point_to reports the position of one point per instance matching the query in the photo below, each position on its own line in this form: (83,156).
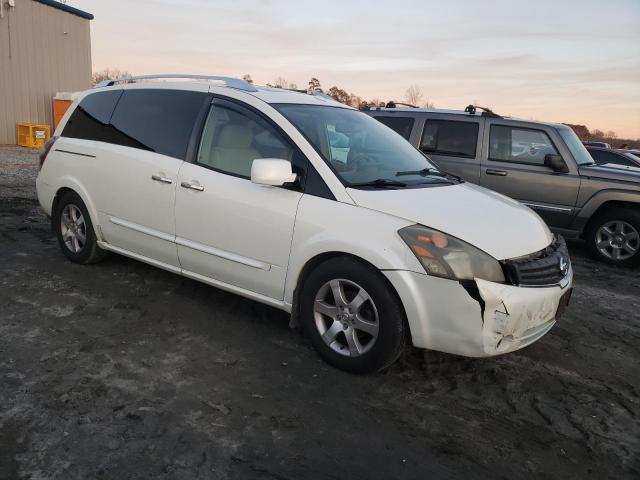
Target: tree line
(413,96)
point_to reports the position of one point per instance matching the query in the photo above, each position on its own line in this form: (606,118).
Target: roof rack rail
(308,91)
(230,82)
(486,112)
(392,104)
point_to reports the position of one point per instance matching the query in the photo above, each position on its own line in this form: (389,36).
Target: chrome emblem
(564,266)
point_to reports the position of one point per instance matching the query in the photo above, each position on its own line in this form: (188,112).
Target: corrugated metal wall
(43,50)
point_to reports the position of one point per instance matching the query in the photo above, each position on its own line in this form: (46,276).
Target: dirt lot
(120,370)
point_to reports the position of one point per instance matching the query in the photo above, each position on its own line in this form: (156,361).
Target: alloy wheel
(73,228)
(617,240)
(346,317)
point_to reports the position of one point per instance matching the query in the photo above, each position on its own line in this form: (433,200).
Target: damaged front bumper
(496,318)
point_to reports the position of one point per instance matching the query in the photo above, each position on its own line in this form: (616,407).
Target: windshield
(580,154)
(362,150)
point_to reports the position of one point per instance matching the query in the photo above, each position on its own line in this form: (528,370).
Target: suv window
(90,119)
(234,137)
(609,157)
(521,145)
(401,125)
(449,137)
(158,120)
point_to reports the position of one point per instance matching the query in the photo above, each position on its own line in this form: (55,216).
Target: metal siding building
(45,48)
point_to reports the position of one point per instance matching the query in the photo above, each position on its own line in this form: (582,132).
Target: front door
(513,164)
(228,228)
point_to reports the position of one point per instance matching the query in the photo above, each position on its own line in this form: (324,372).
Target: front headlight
(445,256)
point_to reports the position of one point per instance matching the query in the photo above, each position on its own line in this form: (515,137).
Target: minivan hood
(502,227)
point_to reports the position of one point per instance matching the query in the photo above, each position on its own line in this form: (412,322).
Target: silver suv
(543,165)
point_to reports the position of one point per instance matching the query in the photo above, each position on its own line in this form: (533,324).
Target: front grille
(546,267)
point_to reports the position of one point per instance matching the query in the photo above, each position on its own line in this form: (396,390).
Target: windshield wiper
(425,172)
(380,183)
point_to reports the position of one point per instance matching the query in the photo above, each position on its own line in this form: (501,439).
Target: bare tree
(612,134)
(108,74)
(247,78)
(413,95)
(282,82)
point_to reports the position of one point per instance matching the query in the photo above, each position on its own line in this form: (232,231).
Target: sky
(572,61)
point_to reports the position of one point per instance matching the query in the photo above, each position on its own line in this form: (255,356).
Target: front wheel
(352,317)
(614,237)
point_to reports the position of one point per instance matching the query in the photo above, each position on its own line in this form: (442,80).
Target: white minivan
(300,202)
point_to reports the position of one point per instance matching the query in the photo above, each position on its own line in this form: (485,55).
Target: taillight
(46,148)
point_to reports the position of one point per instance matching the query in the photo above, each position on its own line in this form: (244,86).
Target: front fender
(324,226)
(592,205)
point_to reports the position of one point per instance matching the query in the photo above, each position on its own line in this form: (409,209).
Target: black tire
(392,330)
(89,252)
(620,215)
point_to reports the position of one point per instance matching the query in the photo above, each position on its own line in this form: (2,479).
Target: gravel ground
(121,371)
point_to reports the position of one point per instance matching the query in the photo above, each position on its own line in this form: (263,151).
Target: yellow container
(32,135)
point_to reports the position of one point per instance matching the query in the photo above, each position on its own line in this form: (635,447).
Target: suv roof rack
(230,82)
(392,104)
(486,112)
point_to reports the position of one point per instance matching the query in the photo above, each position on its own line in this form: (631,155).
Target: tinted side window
(401,125)
(157,120)
(90,120)
(520,145)
(447,137)
(234,137)
(607,157)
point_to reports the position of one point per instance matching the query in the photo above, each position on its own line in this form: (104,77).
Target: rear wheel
(352,317)
(74,230)
(614,237)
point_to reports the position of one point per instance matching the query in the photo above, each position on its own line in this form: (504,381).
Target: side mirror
(272,171)
(555,163)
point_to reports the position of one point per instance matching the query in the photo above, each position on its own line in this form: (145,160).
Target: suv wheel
(614,237)
(352,317)
(74,230)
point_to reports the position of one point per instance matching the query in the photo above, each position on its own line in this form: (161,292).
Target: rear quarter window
(401,125)
(90,119)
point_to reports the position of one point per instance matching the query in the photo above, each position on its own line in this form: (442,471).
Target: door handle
(499,173)
(198,188)
(161,179)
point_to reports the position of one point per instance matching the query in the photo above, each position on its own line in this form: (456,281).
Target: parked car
(543,165)
(236,186)
(611,157)
(596,144)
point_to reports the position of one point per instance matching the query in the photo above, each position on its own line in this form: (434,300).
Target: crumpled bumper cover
(515,317)
(444,316)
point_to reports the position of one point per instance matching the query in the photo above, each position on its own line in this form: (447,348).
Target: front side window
(401,125)
(575,146)
(359,148)
(519,145)
(452,138)
(158,120)
(234,137)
